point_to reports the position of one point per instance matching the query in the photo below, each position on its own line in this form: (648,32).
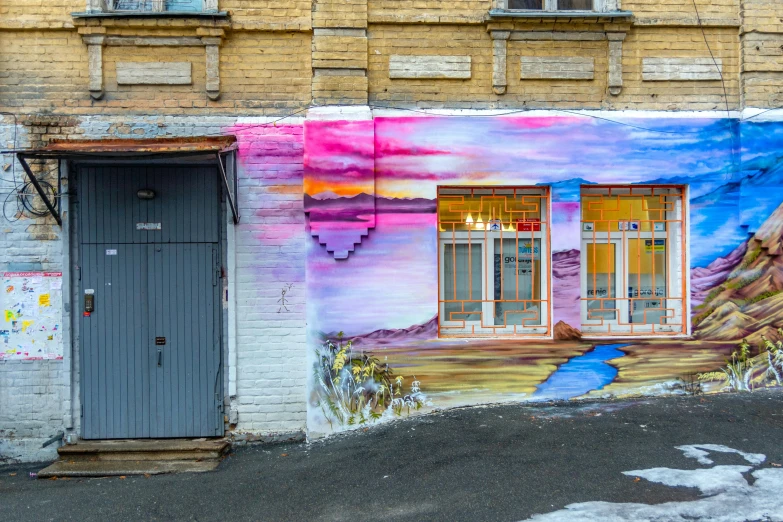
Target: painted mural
(372,274)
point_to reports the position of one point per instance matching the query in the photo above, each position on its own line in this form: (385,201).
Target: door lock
(89,303)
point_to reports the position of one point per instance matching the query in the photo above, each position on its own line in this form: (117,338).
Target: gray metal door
(150,354)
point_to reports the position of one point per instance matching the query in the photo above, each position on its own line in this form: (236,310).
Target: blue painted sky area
(581,374)
(733,176)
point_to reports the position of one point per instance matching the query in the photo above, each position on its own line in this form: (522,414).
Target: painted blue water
(581,374)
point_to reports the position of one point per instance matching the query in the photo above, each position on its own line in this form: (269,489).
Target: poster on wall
(31,326)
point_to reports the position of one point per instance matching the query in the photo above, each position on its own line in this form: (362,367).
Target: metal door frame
(72,254)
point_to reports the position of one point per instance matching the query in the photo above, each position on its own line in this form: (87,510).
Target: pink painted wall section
(339,182)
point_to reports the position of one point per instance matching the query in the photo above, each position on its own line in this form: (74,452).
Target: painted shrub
(382,293)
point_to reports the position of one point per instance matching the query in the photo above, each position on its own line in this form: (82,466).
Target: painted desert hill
(749,302)
(428,330)
(337,206)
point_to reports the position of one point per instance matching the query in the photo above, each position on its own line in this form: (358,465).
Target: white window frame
(550,6)
(158,6)
(487,240)
(674,274)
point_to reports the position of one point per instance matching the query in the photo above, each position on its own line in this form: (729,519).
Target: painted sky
(413,155)
(390,281)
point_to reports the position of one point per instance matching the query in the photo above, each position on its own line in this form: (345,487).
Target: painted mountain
(428,330)
(565,288)
(338,208)
(749,301)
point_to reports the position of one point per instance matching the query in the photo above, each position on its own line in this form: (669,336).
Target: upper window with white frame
(568,7)
(552,5)
(493,252)
(157,6)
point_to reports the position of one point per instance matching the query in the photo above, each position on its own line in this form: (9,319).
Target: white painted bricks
(556,68)
(681,69)
(429,67)
(154,73)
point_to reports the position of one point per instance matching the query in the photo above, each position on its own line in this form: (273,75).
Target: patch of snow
(730,498)
(700,452)
(708,481)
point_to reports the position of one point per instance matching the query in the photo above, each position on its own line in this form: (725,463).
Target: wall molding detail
(556,67)
(429,67)
(154,73)
(211,41)
(681,69)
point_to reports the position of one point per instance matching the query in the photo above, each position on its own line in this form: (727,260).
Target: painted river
(581,374)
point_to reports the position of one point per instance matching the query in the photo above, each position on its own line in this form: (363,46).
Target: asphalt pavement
(494,463)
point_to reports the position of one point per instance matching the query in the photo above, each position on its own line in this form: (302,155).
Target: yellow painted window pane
(600,258)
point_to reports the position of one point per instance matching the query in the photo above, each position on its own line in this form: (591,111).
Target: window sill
(514,13)
(149,14)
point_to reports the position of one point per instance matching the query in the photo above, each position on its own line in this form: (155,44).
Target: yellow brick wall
(272,14)
(42,70)
(762,49)
(557,93)
(763,15)
(260,72)
(18,13)
(340,13)
(339,51)
(386,40)
(670,42)
(682,9)
(477,92)
(427,10)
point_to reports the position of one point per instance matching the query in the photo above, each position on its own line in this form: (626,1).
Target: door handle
(160,356)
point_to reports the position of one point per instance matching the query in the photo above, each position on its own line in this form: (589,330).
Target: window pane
(575,5)
(526,4)
(646,280)
(517,277)
(462,281)
(601,281)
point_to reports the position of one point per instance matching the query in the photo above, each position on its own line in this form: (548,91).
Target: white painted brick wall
(271,351)
(31,409)
(31,392)
(271,348)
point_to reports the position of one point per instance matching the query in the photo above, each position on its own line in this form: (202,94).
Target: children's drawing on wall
(282,301)
(32,315)
(384,293)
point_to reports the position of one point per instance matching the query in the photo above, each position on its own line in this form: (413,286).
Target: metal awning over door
(209,149)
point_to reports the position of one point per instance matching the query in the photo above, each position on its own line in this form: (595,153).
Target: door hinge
(82,415)
(79,272)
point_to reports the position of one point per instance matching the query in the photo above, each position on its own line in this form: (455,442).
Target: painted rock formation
(565,332)
(749,301)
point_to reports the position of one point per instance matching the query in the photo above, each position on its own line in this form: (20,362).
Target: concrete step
(146,449)
(115,468)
